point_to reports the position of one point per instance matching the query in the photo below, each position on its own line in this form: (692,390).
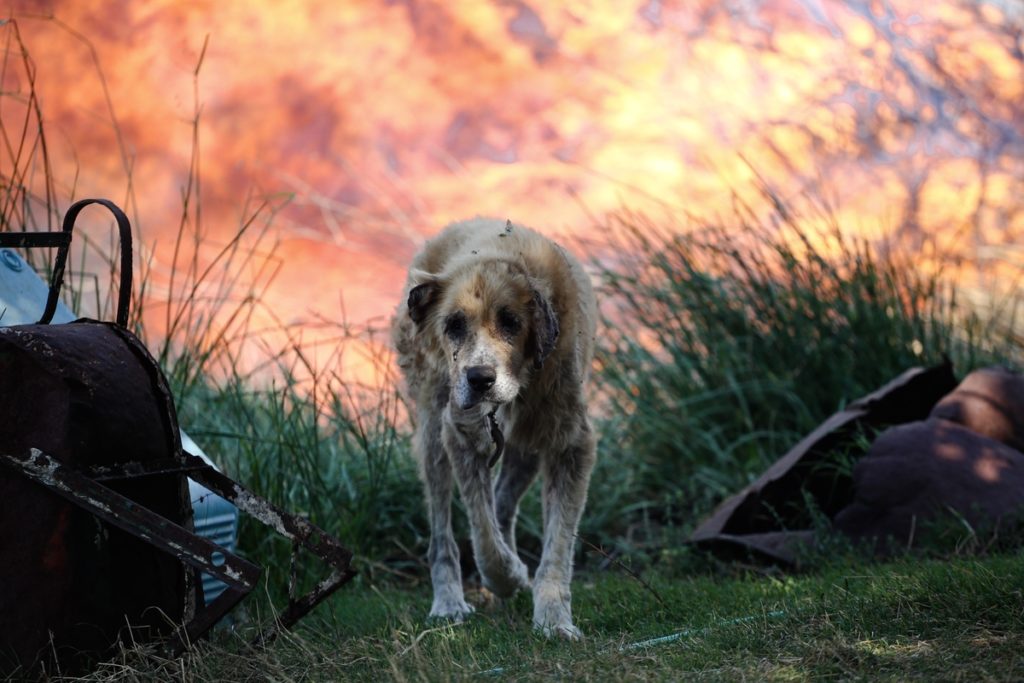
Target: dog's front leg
(566,476)
(436,473)
(518,469)
(469,445)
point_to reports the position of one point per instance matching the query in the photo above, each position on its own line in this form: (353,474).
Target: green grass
(954,619)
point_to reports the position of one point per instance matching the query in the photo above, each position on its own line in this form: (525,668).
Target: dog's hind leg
(518,470)
(469,446)
(566,476)
(443,555)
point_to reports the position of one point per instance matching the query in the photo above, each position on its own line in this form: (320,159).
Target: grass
(952,619)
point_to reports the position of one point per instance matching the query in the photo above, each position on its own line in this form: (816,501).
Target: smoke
(384,120)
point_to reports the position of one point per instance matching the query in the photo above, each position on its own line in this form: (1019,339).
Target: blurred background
(369,125)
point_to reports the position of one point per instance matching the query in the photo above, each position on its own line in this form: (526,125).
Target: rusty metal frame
(301,532)
(240,575)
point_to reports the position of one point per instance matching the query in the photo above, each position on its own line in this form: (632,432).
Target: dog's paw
(452,609)
(563,631)
(506,577)
(552,614)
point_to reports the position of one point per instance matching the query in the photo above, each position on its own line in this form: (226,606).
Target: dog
(495,334)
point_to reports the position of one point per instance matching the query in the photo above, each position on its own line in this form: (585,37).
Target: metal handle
(124,292)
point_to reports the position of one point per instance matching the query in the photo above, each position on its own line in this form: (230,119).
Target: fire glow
(388,119)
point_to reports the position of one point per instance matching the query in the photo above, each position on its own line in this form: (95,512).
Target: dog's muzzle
(479,379)
(477,382)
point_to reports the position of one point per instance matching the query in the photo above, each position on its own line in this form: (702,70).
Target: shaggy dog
(495,336)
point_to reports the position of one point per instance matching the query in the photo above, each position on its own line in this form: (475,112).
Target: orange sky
(384,120)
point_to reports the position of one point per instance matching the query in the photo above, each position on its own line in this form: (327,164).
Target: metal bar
(124,291)
(323,590)
(311,537)
(204,620)
(301,607)
(131,470)
(300,531)
(129,516)
(33,240)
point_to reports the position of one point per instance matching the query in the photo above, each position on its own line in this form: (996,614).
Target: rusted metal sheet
(95,519)
(768,518)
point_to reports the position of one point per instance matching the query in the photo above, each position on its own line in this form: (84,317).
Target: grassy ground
(913,619)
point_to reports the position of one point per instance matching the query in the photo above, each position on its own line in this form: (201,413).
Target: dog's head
(494,323)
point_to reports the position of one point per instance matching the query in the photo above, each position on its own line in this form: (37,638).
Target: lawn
(911,619)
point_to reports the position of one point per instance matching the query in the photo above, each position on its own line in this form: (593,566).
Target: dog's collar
(497,437)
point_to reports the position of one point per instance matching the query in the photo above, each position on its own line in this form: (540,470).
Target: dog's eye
(455,326)
(508,322)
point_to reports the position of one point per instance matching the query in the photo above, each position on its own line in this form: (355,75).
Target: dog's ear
(423,295)
(545,329)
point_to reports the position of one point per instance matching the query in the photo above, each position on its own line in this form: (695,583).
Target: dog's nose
(481,377)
